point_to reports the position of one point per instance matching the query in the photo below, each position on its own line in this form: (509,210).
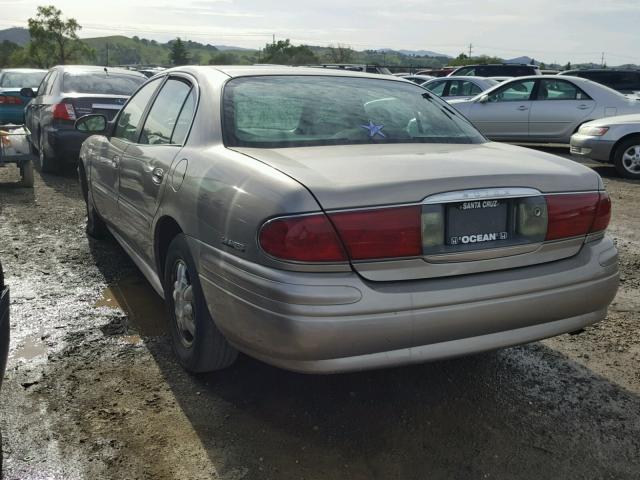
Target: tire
(626,158)
(96,227)
(197,342)
(26,171)
(46,162)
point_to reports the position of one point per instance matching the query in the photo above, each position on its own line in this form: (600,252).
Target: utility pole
(470,49)
(274,39)
(602,60)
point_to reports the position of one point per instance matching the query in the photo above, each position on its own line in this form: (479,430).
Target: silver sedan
(613,140)
(375,227)
(450,88)
(542,108)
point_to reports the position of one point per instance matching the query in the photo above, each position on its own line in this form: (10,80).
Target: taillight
(10,100)
(381,233)
(577,214)
(308,238)
(366,234)
(64,111)
(603,214)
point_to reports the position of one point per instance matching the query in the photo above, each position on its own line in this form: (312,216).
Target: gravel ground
(92,390)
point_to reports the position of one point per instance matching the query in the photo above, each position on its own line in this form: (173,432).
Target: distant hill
(16,35)
(526,60)
(417,53)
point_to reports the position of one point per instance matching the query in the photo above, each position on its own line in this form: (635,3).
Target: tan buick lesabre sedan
(327,221)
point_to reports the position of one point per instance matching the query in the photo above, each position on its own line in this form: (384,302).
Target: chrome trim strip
(481,194)
(483,254)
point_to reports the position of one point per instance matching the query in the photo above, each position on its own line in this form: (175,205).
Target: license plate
(477,222)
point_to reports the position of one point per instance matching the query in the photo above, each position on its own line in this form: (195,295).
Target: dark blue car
(12,103)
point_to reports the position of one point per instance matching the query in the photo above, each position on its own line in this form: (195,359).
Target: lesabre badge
(374,129)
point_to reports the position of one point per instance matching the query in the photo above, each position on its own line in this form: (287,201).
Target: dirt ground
(92,390)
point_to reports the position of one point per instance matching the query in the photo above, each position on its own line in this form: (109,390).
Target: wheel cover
(631,159)
(183,304)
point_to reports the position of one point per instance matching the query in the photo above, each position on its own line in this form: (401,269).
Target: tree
(178,54)
(7,50)
(53,39)
(340,54)
(567,66)
(283,52)
(224,58)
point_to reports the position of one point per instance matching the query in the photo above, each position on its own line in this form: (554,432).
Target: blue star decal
(374,129)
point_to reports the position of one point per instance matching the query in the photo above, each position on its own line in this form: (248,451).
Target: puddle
(144,308)
(30,347)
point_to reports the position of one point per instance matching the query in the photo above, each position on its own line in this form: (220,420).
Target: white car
(450,88)
(542,108)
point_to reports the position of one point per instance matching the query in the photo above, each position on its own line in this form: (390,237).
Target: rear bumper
(591,147)
(323,323)
(4,331)
(12,114)
(65,144)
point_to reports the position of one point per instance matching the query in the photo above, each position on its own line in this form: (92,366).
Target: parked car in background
(4,336)
(613,140)
(497,70)
(436,72)
(544,109)
(459,87)
(624,81)
(12,103)
(67,93)
(326,221)
(352,67)
(418,79)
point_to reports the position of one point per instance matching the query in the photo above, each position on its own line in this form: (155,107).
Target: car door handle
(522,108)
(583,107)
(157,174)
(115,163)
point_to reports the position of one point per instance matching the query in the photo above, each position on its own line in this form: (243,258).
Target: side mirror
(483,99)
(93,123)
(27,92)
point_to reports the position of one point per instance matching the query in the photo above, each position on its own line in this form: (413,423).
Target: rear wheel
(627,158)
(197,342)
(26,172)
(46,162)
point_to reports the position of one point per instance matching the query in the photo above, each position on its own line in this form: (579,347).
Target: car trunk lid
(107,105)
(475,190)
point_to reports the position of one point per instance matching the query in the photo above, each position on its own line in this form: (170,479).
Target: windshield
(21,79)
(294,111)
(101,83)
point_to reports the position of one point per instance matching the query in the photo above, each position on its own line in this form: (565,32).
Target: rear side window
(43,85)
(163,116)
(560,90)
(292,111)
(129,119)
(184,120)
(101,83)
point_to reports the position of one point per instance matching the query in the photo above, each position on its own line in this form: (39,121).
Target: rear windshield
(21,79)
(295,111)
(101,83)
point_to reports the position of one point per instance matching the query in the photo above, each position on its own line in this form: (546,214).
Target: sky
(547,30)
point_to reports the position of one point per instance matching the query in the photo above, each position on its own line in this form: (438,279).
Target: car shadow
(523,412)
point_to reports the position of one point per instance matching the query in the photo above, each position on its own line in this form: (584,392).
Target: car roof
(95,68)
(258,70)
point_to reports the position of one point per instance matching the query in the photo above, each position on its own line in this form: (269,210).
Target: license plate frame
(477,223)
